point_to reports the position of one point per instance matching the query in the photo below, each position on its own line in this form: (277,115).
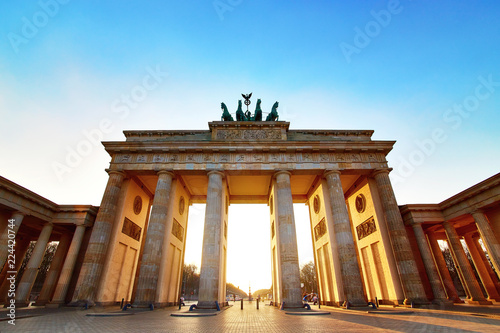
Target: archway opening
(248,244)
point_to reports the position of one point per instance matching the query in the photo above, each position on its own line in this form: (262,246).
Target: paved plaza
(266,319)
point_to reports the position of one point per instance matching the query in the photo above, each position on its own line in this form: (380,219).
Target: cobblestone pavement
(266,319)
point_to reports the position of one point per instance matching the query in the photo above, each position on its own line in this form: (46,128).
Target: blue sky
(65,68)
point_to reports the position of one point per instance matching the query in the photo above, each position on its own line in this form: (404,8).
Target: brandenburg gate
(155,175)
(366,248)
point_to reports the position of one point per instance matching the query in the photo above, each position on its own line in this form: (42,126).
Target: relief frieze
(344,160)
(366,228)
(243,134)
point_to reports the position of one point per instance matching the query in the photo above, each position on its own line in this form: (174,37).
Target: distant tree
(50,251)
(232,290)
(190,281)
(308,278)
(262,292)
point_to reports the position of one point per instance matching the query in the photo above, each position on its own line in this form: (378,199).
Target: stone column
(351,276)
(24,288)
(288,253)
(407,267)
(489,239)
(488,284)
(21,249)
(211,259)
(95,256)
(451,291)
(476,295)
(55,269)
(151,256)
(486,263)
(9,233)
(430,266)
(68,266)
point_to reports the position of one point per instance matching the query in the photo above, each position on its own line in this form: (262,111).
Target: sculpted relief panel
(344,160)
(250,134)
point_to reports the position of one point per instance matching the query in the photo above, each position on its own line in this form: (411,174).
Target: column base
(456,300)
(145,304)
(355,303)
(493,299)
(480,302)
(207,305)
(294,305)
(41,303)
(82,303)
(416,301)
(20,304)
(442,302)
(54,305)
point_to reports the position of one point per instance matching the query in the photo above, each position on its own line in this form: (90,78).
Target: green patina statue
(240,116)
(273,116)
(226,116)
(258,111)
(247,116)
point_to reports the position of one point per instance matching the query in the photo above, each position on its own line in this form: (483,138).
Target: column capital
(18,212)
(329,172)
(165,171)
(216,171)
(477,211)
(381,171)
(414,224)
(446,222)
(278,172)
(115,172)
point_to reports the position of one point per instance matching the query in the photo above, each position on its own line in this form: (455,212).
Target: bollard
(151,307)
(121,305)
(242,303)
(412,304)
(257,303)
(319,303)
(180,303)
(126,306)
(217,305)
(192,307)
(282,306)
(372,305)
(86,306)
(376,302)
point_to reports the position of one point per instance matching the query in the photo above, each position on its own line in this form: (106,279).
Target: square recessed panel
(249,185)
(347,181)
(301,184)
(197,184)
(149,181)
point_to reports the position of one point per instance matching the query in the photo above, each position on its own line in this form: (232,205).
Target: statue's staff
(247,99)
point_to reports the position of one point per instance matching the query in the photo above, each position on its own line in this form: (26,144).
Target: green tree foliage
(262,292)
(50,251)
(232,290)
(190,282)
(308,278)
